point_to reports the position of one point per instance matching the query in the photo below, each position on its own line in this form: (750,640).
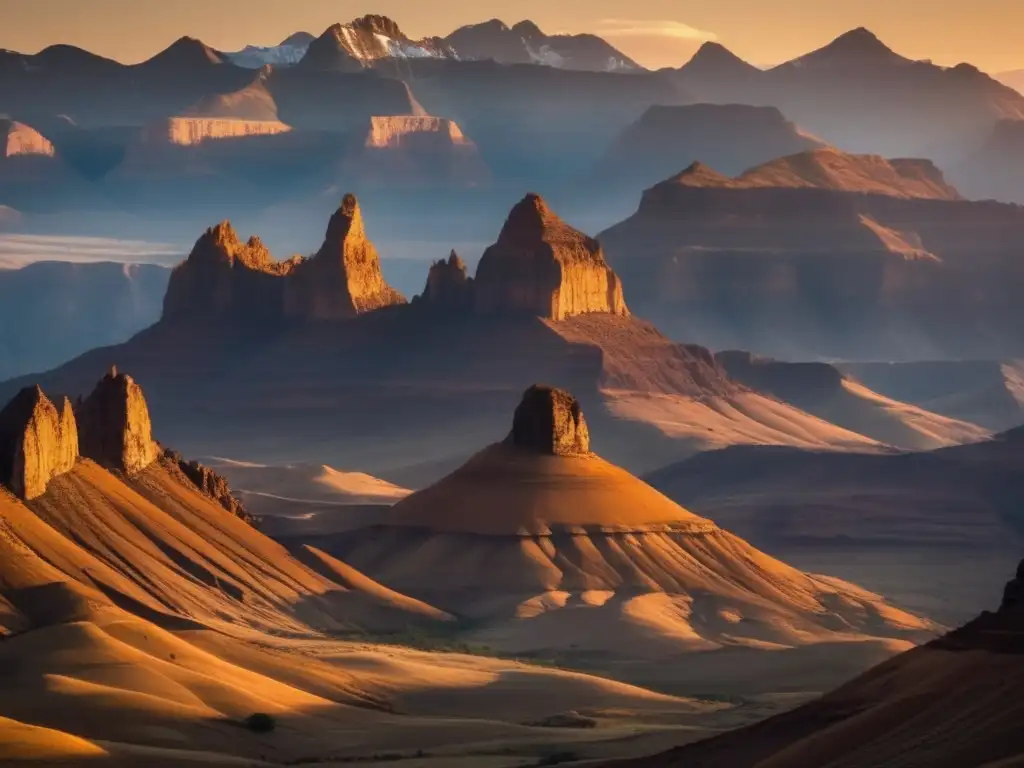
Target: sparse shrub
(260,722)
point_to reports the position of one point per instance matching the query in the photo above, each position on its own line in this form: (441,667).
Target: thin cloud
(653,28)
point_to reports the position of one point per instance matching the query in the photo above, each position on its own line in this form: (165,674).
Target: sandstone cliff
(415,149)
(227,279)
(37,442)
(343,279)
(550,421)
(541,266)
(449,287)
(115,428)
(18,139)
(192,131)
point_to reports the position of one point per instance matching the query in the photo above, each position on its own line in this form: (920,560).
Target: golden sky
(987,33)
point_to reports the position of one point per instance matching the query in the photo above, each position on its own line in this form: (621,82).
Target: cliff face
(825,256)
(344,278)
(415,149)
(192,131)
(550,421)
(226,279)
(542,266)
(18,139)
(37,442)
(116,431)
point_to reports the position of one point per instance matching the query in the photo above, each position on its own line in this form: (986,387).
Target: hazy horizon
(656,33)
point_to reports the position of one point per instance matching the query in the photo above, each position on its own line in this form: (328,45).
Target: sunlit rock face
(18,139)
(343,279)
(191,131)
(542,266)
(116,430)
(38,442)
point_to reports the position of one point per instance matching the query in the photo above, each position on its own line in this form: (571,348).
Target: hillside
(554,552)
(142,620)
(931,529)
(948,704)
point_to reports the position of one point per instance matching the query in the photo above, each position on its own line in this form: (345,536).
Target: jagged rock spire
(343,279)
(37,442)
(115,428)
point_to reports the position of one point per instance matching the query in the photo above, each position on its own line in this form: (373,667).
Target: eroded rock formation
(226,278)
(343,279)
(541,266)
(37,442)
(210,483)
(449,287)
(115,428)
(550,421)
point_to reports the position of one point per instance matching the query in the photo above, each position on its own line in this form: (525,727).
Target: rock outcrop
(225,278)
(449,287)
(18,139)
(37,442)
(541,266)
(115,428)
(192,131)
(343,279)
(401,149)
(550,421)
(1013,594)
(210,483)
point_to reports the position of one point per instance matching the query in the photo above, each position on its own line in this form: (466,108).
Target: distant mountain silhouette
(525,43)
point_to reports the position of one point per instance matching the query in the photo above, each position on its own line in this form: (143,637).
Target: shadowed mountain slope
(949,704)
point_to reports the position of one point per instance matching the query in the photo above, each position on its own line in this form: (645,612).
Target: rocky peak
(715,59)
(37,442)
(115,428)
(225,277)
(550,421)
(858,46)
(542,266)
(343,279)
(528,30)
(378,25)
(449,285)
